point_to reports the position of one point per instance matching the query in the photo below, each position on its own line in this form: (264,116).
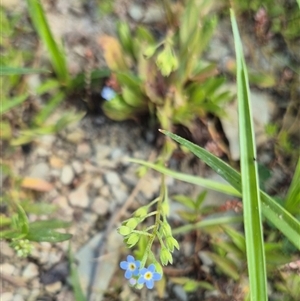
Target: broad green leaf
(57,56)
(5,70)
(118,109)
(49,224)
(208,184)
(132,97)
(276,214)
(49,235)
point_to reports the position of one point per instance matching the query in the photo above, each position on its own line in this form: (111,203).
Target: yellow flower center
(132,267)
(148,276)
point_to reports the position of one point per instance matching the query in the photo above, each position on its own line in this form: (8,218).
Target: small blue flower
(131,266)
(148,276)
(108,93)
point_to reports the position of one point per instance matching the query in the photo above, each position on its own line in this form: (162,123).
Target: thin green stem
(156,226)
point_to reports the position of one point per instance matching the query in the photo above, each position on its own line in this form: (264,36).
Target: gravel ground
(94,186)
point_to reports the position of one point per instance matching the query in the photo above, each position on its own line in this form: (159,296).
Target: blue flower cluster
(139,276)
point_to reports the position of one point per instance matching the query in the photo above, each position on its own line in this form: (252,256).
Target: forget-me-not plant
(148,276)
(131,266)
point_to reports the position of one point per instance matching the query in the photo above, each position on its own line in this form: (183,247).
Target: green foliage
(57,56)
(161,231)
(166,78)
(228,255)
(21,232)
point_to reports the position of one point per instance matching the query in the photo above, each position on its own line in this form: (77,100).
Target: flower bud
(165,256)
(123,230)
(171,242)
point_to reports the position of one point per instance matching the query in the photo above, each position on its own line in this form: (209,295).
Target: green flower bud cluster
(23,247)
(161,230)
(167,61)
(168,243)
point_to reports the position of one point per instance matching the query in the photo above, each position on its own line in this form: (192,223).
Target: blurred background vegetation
(160,74)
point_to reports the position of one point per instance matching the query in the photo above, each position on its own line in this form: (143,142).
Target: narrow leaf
(275,213)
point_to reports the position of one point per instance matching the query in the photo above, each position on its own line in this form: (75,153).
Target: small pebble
(79,197)
(30,271)
(112,178)
(100,206)
(67,175)
(77,166)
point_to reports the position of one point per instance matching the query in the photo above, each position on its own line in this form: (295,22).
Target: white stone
(18,297)
(98,183)
(79,197)
(54,287)
(30,271)
(100,206)
(7,269)
(6,296)
(67,175)
(40,170)
(77,166)
(112,178)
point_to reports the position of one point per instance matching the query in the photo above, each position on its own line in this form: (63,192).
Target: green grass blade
(292,202)
(256,260)
(209,221)
(74,278)
(4,70)
(208,184)
(285,222)
(57,56)
(48,109)
(8,104)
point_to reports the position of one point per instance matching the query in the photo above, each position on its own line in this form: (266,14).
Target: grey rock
(116,154)
(147,15)
(112,178)
(206,260)
(120,195)
(180,293)
(262,110)
(18,297)
(40,170)
(67,175)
